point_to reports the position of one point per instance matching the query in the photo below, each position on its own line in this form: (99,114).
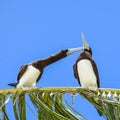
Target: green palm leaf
(50,105)
(107,101)
(3,109)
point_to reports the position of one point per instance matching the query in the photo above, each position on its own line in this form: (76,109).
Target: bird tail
(13,84)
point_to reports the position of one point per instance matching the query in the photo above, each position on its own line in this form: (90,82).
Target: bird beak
(72,50)
(85,44)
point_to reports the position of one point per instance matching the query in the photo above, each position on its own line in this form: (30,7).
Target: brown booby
(85,69)
(29,74)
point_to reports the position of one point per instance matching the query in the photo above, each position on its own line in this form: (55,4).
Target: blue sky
(35,29)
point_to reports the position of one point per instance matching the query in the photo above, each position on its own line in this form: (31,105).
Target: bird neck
(55,57)
(41,64)
(88,53)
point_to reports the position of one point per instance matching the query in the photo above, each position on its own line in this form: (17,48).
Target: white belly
(86,74)
(29,78)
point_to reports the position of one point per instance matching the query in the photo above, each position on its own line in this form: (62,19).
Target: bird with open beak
(29,74)
(85,69)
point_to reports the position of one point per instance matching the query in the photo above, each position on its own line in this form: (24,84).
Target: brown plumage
(85,54)
(85,69)
(39,66)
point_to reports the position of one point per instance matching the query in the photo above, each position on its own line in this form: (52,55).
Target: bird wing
(21,71)
(41,72)
(96,72)
(76,73)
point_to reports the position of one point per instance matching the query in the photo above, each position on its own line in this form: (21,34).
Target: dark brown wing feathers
(85,55)
(21,71)
(96,72)
(41,72)
(76,73)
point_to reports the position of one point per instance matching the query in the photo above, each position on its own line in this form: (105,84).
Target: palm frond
(107,102)
(50,106)
(15,108)
(22,106)
(49,103)
(3,114)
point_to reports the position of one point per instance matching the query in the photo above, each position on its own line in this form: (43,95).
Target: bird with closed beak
(85,69)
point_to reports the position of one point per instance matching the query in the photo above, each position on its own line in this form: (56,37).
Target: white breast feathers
(29,78)
(86,74)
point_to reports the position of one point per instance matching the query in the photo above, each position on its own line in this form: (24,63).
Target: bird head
(86,46)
